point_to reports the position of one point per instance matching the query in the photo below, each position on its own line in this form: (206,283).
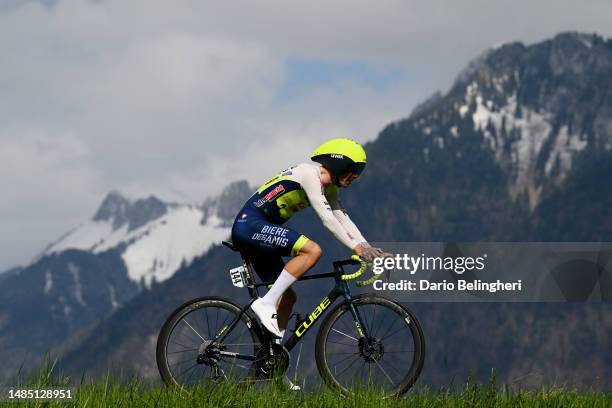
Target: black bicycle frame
(340,289)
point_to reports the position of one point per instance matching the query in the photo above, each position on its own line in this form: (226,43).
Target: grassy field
(110,392)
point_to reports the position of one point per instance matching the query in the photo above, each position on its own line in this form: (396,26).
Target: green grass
(111,392)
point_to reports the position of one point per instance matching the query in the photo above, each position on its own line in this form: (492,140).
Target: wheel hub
(209,353)
(371,349)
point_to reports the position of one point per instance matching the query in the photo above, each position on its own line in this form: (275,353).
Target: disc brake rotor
(371,349)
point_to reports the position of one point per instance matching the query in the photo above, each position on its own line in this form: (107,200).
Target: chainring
(269,365)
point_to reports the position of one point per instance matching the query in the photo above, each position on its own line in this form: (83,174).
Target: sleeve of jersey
(341,215)
(311,183)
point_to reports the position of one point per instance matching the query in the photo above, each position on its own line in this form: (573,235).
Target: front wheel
(386,352)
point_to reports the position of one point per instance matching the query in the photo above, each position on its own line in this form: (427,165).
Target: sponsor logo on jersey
(271,194)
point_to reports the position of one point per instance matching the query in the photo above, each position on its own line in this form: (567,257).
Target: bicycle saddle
(230,245)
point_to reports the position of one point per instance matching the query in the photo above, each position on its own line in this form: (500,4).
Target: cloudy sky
(179,98)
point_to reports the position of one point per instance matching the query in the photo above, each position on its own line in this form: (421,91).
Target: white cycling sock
(282,283)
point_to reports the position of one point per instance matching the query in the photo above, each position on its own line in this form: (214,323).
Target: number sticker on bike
(238,276)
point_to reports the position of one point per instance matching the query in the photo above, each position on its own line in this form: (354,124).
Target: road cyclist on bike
(258,229)
(363,340)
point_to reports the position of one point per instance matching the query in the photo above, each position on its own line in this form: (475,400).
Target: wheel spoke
(389,329)
(216,327)
(344,334)
(183,351)
(346,358)
(370,329)
(236,336)
(207,321)
(346,325)
(187,335)
(383,370)
(349,366)
(185,370)
(394,368)
(384,318)
(191,374)
(178,363)
(180,344)
(344,344)
(390,334)
(194,330)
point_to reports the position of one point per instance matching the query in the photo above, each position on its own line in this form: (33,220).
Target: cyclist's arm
(311,183)
(341,215)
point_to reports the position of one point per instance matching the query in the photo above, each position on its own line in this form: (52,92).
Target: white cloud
(34,164)
(47,187)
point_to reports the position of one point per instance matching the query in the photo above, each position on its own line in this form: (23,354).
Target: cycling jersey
(257,225)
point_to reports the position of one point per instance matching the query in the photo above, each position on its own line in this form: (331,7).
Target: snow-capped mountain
(155,238)
(95,269)
(534,109)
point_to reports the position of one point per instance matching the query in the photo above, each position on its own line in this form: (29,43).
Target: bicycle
(236,347)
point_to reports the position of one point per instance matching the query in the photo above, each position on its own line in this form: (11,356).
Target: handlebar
(356,260)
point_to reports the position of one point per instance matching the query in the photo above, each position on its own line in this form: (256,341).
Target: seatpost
(250,276)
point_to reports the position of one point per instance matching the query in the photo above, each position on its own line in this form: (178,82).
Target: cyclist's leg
(268,268)
(271,241)
(307,256)
(284,307)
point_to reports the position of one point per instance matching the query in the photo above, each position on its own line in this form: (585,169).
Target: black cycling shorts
(265,243)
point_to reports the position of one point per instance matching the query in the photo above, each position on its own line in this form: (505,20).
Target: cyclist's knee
(312,249)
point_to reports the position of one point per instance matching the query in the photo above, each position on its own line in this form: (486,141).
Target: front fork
(359,322)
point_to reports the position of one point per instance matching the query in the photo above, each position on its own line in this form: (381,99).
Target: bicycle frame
(341,289)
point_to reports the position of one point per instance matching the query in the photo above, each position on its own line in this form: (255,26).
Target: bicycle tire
(340,310)
(209,303)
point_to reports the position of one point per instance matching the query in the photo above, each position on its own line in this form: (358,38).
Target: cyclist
(258,229)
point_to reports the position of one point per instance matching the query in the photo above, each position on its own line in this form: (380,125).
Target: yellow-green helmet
(341,156)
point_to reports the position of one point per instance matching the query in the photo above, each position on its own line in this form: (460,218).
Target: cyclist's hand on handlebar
(368,253)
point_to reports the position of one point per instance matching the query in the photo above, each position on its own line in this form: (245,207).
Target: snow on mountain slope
(91,236)
(154,244)
(176,237)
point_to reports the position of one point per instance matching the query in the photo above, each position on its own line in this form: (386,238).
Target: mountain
(523,132)
(94,269)
(517,150)
(45,302)
(154,237)
(10,272)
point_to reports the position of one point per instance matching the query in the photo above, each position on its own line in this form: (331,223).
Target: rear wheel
(188,349)
(389,359)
